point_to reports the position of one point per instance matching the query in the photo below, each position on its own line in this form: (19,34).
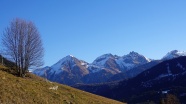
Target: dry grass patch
(33,89)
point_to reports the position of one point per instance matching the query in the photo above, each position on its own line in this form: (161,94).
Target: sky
(87,29)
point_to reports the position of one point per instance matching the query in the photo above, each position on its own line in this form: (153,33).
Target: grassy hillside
(33,89)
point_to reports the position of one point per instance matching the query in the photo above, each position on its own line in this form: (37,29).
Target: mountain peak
(70,55)
(133,53)
(174,51)
(102,59)
(134,57)
(65,60)
(174,54)
(107,55)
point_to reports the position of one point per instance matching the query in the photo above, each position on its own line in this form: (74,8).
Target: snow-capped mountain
(123,63)
(137,70)
(174,54)
(132,60)
(70,70)
(68,64)
(107,61)
(101,60)
(167,77)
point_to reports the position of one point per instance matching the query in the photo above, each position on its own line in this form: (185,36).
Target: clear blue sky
(90,28)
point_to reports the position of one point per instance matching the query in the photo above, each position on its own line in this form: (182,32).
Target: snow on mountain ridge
(58,67)
(101,60)
(125,62)
(174,54)
(134,55)
(131,60)
(70,70)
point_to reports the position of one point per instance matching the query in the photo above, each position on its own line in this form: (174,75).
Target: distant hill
(36,90)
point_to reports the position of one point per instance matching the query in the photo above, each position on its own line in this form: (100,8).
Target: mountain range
(105,68)
(167,77)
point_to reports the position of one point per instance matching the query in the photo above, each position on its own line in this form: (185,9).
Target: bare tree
(22,43)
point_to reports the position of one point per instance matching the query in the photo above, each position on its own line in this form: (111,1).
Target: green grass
(35,90)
